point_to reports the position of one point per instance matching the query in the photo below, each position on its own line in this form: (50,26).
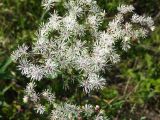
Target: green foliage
(133,85)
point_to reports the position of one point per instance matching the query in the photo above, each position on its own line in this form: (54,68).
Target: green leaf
(5,66)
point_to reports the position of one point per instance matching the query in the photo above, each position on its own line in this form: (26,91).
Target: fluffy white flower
(69,22)
(86,2)
(65,112)
(36,72)
(93,82)
(48,95)
(40,108)
(30,92)
(34,97)
(143,20)
(30,88)
(114,57)
(22,50)
(40,47)
(74,8)
(88,108)
(50,66)
(47,4)
(54,21)
(125,9)
(94,21)
(24,66)
(126,43)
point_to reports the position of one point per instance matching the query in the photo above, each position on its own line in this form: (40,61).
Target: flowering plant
(75,40)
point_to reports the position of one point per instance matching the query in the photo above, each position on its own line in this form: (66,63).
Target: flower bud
(25,99)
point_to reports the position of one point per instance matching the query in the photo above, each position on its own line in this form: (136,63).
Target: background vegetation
(133,90)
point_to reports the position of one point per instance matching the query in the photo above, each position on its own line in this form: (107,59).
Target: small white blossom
(50,67)
(54,21)
(24,66)
(30,92)
(73,8)
(143,20)
(86,2)
(88,109)
(22,50)
(125,9)
(65,112)
(69,22)
(30,88)
(94,21)
(40,108)
(93,82)
(36,72)
(47,4)
(48,95)
(114,57)
(126,43)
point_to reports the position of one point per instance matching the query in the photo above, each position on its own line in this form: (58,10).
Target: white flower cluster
(74,39)
(61,111)
(125,9)
(71,112)
(35,97)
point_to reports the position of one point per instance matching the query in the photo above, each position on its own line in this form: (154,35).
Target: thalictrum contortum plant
(75,39)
